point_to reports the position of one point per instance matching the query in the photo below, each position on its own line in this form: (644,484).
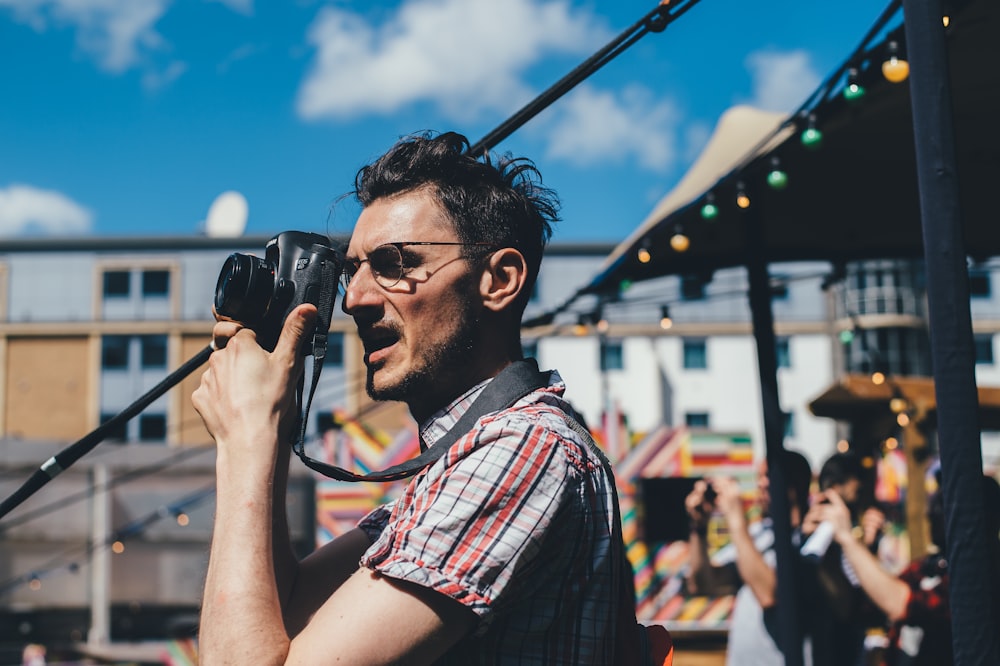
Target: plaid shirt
(515,522)
(923,636)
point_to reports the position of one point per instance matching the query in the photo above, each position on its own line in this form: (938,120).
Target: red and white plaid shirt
(514,521)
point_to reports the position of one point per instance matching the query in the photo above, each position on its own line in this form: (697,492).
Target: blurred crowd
(854,607)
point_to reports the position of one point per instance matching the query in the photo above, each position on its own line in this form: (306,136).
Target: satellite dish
(227,216)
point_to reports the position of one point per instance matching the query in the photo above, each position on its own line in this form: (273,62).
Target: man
(916,602)
(842,622)
(503,551)
(747,564)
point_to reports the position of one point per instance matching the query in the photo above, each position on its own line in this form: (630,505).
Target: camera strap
(512,383)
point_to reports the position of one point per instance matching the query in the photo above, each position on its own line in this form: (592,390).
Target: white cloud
(464,56)
(115,32)
(591,126)
(781,80)
(27,209)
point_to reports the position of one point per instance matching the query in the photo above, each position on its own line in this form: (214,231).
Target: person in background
(747,564)
(843,622)
(916,602)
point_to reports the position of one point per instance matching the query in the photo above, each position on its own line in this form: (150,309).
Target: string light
(878,378)
(898,405)
(679,241)
(776,178)
(118,548)
(643,254)
(709,211)
(843,446)
(903,419)
(853,91)
(891,443)
(35,583)
(183,519)
(742,199)
(811,137)
(895,68)
(665,320)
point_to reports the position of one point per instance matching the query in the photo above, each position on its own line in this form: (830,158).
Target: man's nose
(361,291)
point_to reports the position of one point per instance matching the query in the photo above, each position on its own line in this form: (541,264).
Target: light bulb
(903,419)
(665,320)
(878,378)
(680,242)
(742,200)
(644,256)
(898,405)
(709,211)
(853,91)
(776,178)
(895,69)
(811,137)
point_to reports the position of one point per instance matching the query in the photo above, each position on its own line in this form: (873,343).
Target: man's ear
(503,279)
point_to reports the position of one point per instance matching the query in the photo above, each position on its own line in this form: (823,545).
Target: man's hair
(838,469)
(496,200)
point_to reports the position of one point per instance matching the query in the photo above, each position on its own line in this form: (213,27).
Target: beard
(436,374)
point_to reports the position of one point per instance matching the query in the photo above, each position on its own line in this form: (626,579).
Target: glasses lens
(386,263)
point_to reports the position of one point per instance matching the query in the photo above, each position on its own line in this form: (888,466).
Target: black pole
(60,462)
(789,629)
(974,621)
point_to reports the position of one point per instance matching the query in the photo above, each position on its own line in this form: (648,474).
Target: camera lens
(243,292)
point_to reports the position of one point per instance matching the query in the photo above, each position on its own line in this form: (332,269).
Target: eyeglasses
(390,263)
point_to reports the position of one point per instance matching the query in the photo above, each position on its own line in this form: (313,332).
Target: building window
(696,419)
(783,354)
(979,283)
(154,351)
(984,349)
(114,352)
(779,287)
(155,283)
(612,355)
(152,427)
(116,284)
(692,288)
(117,433)
(335,349)
(695,354)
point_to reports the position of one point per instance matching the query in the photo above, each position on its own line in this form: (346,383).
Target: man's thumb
(298,323)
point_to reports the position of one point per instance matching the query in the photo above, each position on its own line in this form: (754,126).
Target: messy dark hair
(495,200)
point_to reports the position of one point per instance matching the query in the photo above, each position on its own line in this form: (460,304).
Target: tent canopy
(854,196)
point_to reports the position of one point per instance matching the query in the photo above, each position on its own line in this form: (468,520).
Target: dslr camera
(297,267)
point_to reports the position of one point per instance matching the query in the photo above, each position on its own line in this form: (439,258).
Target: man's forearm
(753,569)
(887,592)
(241,620)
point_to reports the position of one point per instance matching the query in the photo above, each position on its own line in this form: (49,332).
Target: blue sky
(130,117)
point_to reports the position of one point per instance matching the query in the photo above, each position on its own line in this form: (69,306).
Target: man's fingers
(296,324)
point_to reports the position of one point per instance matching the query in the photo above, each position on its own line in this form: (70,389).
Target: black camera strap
(513,383)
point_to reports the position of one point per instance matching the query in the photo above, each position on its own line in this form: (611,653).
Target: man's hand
(872,522)
(729,501)
(834,511)
(698,506)
(246,391)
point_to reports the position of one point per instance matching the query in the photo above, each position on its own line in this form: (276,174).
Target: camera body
(297,267)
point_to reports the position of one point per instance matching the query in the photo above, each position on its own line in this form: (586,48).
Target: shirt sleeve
(473,527)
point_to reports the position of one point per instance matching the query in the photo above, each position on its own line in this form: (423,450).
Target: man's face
(419,335)
(848,490)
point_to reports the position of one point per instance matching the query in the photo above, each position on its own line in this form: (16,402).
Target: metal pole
(100,559)
(974,620)
(790,632)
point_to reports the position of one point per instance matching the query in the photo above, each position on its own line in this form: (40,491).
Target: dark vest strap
(513,383)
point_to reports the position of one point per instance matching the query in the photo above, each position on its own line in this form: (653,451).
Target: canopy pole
(790,632)
(974,614)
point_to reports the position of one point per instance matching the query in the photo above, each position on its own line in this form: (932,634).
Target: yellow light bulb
(118,547)
(666,322)
(643,255)
(895,69)
(843,446)
(903,419)
(946,20)
(742,200)
(182,519)
(891,443)
(878,378)
(898,405)
(680,242)
(603,325)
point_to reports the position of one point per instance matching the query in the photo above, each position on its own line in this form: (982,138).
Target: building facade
(88,326)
